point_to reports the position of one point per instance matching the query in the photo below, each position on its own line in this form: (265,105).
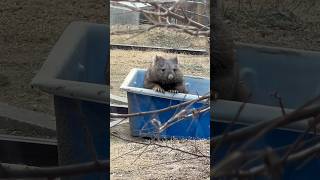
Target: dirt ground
(28,31)
(145,162)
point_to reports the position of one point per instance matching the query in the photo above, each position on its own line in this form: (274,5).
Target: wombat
(225,69)
(163,75)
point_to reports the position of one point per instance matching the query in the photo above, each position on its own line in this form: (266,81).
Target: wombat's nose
(170,76)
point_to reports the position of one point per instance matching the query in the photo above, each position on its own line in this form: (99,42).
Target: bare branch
(23,171)
(114,115)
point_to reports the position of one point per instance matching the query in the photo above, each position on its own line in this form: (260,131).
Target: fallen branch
(160,145)
(24,171)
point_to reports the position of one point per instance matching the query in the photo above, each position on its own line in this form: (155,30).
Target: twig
(159,145)
(115,115)
(297,115)
(278,97)
(23,171)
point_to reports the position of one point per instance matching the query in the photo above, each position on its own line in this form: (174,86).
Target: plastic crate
(142,100)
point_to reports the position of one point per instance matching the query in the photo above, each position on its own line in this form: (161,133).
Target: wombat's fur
(164,75)
(226,82)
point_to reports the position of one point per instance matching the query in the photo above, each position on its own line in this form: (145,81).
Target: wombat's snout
(170,76)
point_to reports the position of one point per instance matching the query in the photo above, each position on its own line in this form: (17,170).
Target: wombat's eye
(174,69)
(163,69)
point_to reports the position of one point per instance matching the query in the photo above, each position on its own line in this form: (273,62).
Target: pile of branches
(161,15)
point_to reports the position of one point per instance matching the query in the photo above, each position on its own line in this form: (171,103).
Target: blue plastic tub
(294,74)
(141,100)
(75,73)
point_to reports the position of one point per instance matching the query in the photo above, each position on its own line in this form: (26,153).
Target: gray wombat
(163,75)
(225,69)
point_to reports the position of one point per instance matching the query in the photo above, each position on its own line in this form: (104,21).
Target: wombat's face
(167,69)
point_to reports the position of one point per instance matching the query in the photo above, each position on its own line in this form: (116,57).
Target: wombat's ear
(175,59)
(157,60)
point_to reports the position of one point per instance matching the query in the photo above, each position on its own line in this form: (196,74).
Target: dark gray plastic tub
(295,75)
(75,74)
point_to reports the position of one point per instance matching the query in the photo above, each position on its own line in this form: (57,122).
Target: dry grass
(161,37)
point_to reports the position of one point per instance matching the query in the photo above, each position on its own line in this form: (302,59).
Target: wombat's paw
(158,89)
(174,91)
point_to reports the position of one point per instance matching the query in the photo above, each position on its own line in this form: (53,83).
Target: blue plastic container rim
(148,92)
(47,78)
(225,111)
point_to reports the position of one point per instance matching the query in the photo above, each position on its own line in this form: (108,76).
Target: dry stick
(169,13)
(144,151)
(231,163)
(150,19)
(153,149)
(175,114)
(297,115)
(177,26)
(159,145)
(23,171)
(290,147)
(166,13)
(197,14)
(159,1)
(192,22)
(176,5)
(115,115)
(279,149)
(123,119)
(134,31)
(181,116)
(140,154)
(139,10)
(292,117)
(278,97)
(294,157)
(185,16)
(238,114)
(306,161)
(257,155)
(234,120)
(312,124)
(128,152)
(170,162)
(181,28)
